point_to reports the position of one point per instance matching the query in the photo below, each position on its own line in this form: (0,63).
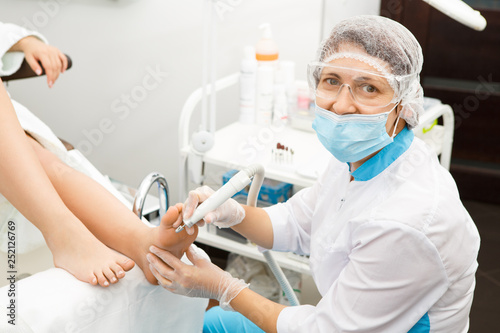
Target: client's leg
(75,249)
(108,219)
(25,184)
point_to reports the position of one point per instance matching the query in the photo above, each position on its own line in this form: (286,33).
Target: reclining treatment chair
(52,300)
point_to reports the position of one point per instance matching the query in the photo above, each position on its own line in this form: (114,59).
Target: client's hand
(35,51)
(226,215)
(202,279)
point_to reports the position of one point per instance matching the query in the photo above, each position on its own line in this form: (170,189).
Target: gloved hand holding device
(229,214)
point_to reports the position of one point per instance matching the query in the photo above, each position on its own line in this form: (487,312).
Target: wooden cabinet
(462,69)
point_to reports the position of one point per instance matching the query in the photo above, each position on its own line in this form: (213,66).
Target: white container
(303,115)
(265,87)
(280,111)
(248,81)
(266,54)
(288,69)
(304,99)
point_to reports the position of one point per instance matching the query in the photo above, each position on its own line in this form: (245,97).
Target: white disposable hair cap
(390,48)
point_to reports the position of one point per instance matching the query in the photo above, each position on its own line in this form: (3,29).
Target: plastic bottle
(265,86)
(248,82)
(280,109)
(266,54)
(266,49)
(280,113)
(288,69)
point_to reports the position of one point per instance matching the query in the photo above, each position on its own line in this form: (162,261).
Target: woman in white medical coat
(392,249)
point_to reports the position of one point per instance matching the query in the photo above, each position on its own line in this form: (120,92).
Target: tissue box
(272,191)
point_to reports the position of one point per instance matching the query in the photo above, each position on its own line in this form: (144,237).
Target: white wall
(116,45)
(337,10)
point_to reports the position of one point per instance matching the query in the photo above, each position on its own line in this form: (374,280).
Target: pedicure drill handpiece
(233,186)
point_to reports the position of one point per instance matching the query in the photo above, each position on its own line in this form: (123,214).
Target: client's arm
(37,52)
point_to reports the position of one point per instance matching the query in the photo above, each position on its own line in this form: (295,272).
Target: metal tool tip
(179,229)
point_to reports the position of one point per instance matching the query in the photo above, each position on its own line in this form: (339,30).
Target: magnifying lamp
(461,12)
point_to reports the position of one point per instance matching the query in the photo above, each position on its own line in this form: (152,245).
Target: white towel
(54,301)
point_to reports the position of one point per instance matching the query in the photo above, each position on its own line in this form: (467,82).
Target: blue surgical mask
(351,137)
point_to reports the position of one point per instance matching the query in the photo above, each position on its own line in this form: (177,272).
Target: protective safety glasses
(366,88)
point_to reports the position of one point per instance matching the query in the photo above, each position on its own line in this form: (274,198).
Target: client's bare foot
(165,237)
(79,252)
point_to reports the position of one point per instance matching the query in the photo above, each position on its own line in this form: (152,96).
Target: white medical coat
(392,248)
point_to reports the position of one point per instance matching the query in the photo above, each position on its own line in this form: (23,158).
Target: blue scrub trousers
(220,321)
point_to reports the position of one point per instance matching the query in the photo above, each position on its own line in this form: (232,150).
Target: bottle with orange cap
(266,49)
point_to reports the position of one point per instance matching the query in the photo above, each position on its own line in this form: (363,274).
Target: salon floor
(485,313)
